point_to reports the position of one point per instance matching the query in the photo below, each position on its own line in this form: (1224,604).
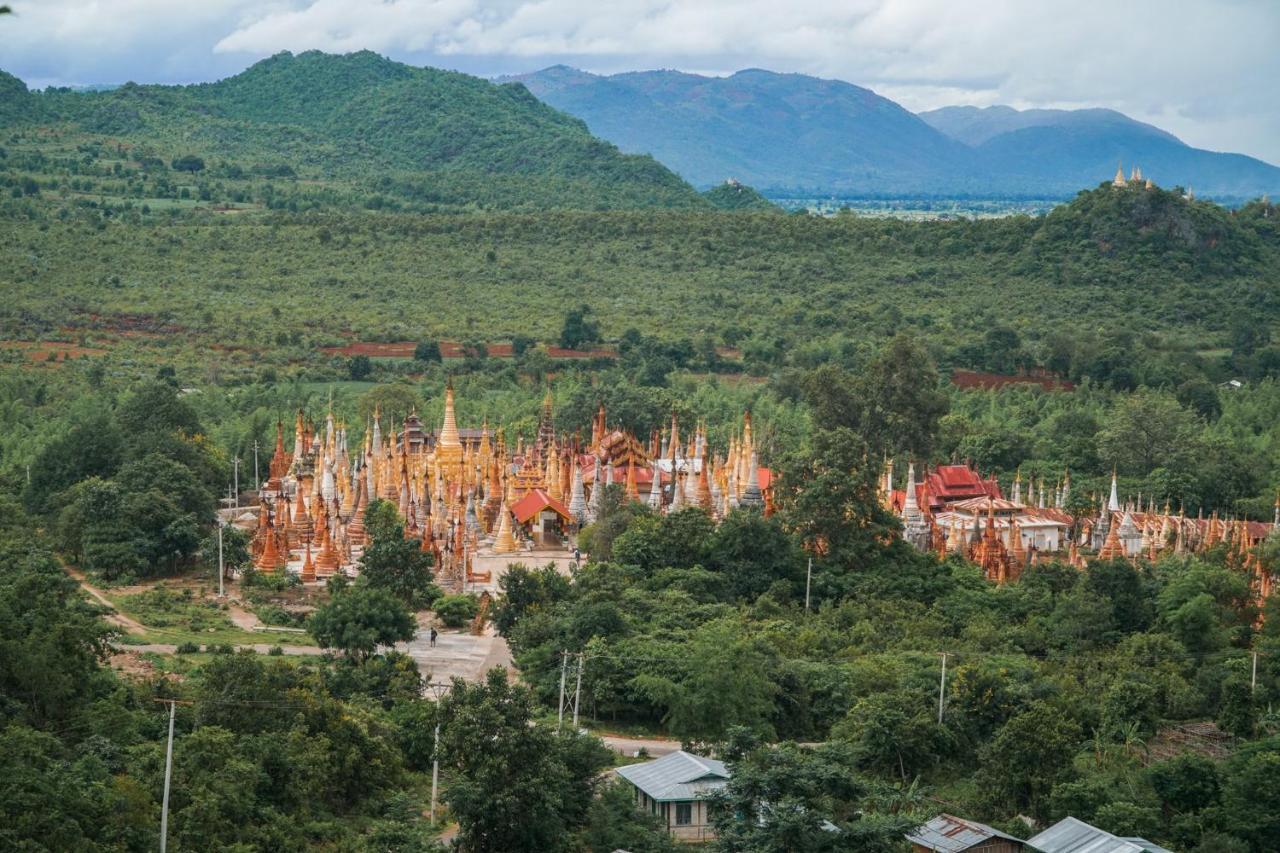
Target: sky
(1205,71)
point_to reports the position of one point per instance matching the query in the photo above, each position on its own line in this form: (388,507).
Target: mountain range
(789,133)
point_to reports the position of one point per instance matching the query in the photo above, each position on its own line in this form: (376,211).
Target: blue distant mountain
(791,132)
(1064,150)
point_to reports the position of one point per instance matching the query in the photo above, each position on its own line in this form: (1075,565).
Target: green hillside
(1126,284)
(357,129)
(732,195)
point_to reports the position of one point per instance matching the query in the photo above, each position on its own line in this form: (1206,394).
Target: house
(949,834)
(676,788)
(1070,835)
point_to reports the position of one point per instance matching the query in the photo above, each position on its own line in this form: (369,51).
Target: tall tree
(513,784)
(791,799)
(394,563)
(360,619)
(893,406)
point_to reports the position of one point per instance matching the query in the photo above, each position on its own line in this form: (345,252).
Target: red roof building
(533,503)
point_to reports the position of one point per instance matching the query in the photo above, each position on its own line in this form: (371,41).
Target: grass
(178,617)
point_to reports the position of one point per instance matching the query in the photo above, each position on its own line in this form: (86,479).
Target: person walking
(434,634)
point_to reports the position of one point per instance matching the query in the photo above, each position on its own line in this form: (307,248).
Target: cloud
(1201,69)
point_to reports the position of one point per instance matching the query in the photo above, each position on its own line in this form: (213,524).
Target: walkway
(457,654)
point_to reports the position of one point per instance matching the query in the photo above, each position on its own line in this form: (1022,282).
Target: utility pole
(168,773)
(435,773)
(221,571)
(257,480)
(577,691)
(437,690)
(1253,678)
(564,669)
(236,494)
(942,688)
(808,577)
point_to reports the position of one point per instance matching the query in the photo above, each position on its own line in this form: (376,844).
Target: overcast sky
(1206,71)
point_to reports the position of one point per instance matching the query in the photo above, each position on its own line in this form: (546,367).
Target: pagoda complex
(953,509)
(466,492)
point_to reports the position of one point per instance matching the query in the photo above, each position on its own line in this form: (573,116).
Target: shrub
(275,651)
(187,648)
(457,610)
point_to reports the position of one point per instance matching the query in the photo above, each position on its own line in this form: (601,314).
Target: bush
(187,648)
(275,651)
(457,610)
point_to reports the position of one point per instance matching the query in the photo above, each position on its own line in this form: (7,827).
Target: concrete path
(456,654)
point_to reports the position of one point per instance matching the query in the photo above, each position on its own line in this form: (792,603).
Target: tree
(361,619)
(577,331)
(456,610)
(614,823)
(1186,783)
(830,497)
(1027,757)
(723,682)
(1146,429)
(188,163)
(93,448)
(525,591)
(1003,349)
(895,733)
(394,563)
(893,406)
(500,764)
(753,553)
(786,798)
(359,367)
(427,352)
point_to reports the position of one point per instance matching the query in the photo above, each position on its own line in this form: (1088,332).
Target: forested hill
(416,136)
(791,132)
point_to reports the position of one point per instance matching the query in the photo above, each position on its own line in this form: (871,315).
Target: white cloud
(1201,69)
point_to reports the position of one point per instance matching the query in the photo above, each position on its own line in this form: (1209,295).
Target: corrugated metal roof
(949,834)
(1070,835)
(677,776)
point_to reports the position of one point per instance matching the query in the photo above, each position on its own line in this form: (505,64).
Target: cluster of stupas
(1135,177)
(464,492)
(954,510)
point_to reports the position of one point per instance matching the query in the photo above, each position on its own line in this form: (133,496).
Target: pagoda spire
(504,542)
(595,507)
(577,497)
(1113,502)
(751,496)
(655,488)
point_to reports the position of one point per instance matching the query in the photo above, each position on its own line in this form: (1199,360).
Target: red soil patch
(43,351)
(969,379)
(454,349)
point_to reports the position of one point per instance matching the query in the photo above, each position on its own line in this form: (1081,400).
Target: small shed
(676,788)
(1071,835)
(950,834)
